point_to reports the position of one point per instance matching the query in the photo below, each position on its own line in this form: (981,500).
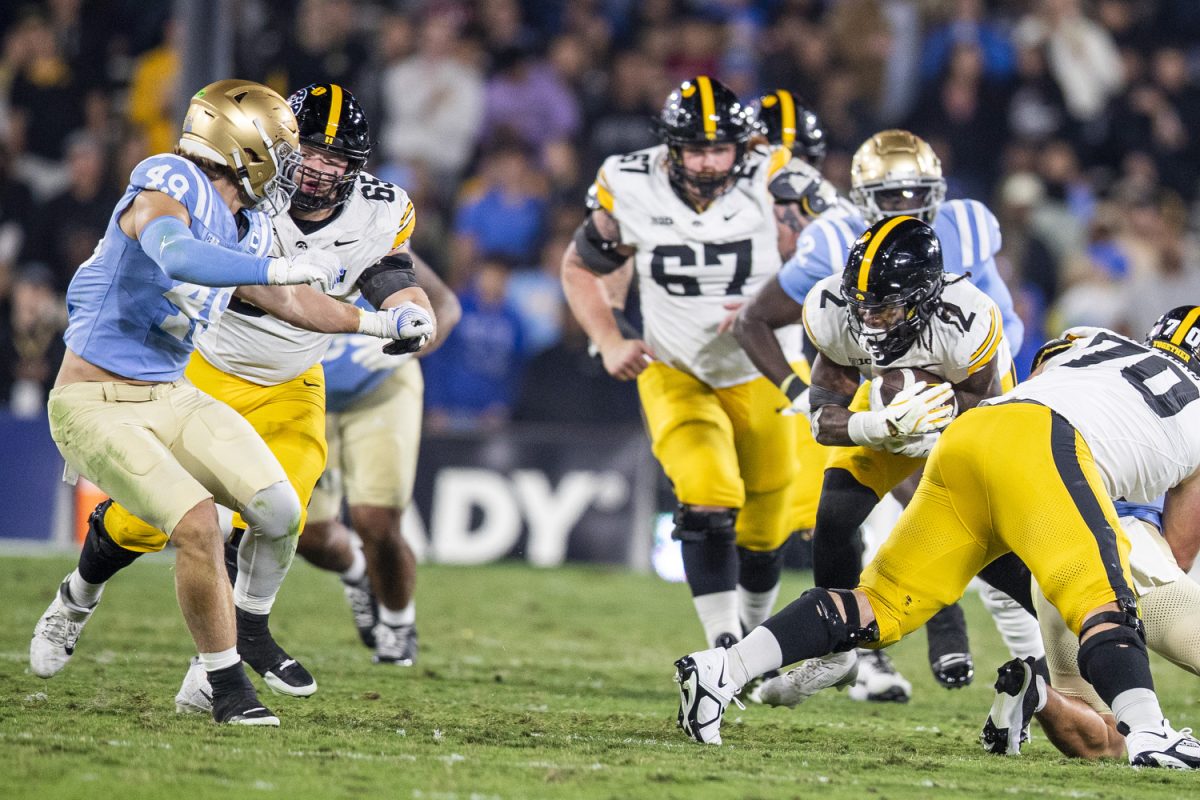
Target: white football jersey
(1138,410)
(377,218)
(960,339)
(690,263)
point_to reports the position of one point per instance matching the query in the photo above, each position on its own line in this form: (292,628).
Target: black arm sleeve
(600,255)
(818,396)
(385,277)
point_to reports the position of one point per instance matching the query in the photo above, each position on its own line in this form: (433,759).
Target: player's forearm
(758,339)
(1180,526)
(588,300)
(1077,730)
(831,426)
(616,285)
(446,308)
(183,257)
(413,294)
(304,307)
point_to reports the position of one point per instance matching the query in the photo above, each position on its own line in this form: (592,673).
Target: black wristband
(793,386)
(823,397)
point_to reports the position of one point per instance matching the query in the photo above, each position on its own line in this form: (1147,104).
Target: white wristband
(372,323)
(868,428)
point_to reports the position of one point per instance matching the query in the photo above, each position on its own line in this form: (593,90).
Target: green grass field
(530,684)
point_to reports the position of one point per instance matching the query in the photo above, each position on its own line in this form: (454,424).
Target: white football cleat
(395,645)
(195,695)
(878,680)
(705,691)
(56,634)
(1165,747)
(363,607)
(1019,693)
(836,670)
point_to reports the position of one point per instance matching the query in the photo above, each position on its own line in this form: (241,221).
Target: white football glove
(913,446)
(921,409)
(408,325)
(316,267)
(915,410)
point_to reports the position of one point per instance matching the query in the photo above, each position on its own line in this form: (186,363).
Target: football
(885,387)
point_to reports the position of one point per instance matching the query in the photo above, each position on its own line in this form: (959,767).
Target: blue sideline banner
(30,479)
(545,494)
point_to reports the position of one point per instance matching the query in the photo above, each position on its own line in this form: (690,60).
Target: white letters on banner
(501,505)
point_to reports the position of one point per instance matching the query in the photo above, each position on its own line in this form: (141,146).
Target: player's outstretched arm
(304,307)
(1077,730)
(755,326)
(446,308)
(161,225)
(596,251)
(1181,521)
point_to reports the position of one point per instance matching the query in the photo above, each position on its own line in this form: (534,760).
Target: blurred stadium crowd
(1077,121)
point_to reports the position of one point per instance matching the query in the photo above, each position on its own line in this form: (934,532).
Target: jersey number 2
(684,255)
(1162,384)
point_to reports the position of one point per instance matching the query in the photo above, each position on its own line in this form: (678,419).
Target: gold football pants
(725,447)
(290,418)
(1012,477)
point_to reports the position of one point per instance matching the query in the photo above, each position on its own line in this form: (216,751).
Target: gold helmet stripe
(708,107)
(864,269)
(1185,326)
(787,113)
(335,112)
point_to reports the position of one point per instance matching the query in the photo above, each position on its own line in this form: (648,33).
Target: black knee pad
(844,634)
(760,559)
(700,526)
(759,570)
(101,557)
(1128,633)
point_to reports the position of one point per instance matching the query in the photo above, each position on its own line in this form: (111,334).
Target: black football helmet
(785,120)
(893,284)
(1177,333)
(703,111)
(330,119)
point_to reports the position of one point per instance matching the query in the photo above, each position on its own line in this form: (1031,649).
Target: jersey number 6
(684,255)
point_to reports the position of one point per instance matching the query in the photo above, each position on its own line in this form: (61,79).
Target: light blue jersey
(125,314)
(970,238)
(355,365)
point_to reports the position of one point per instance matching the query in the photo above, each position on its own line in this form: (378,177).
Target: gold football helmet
(896,172)
(249,128)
